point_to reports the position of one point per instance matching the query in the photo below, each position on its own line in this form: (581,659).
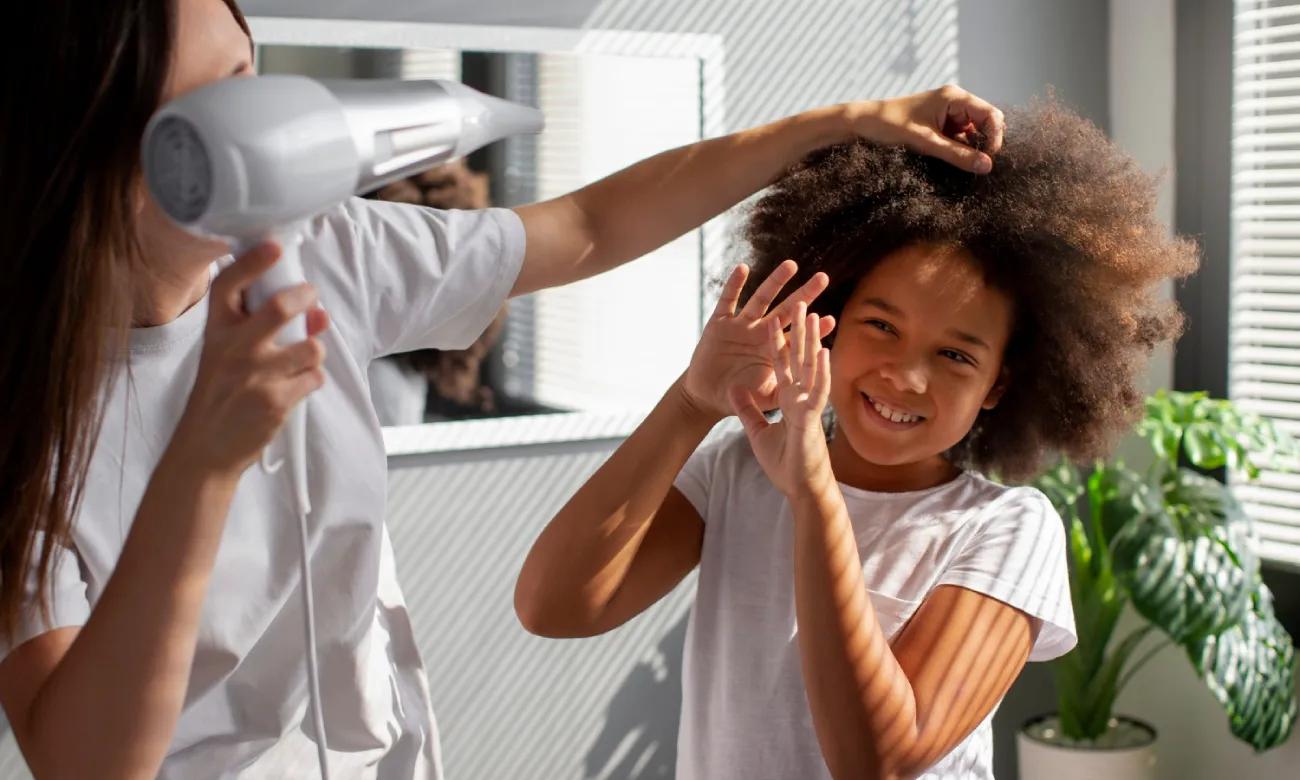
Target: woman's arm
(103,701)
(625,539)
(643,207)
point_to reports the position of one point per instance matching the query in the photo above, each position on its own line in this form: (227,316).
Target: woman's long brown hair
(77,87)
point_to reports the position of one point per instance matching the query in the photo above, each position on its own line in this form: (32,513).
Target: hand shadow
(639,739)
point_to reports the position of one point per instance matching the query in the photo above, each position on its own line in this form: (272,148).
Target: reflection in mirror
(609,344)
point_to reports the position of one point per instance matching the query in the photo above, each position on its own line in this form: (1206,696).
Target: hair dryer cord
(296,455)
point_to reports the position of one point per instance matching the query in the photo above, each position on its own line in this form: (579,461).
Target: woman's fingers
(297,358)
(280,309)
(967,109)
(234,280)
(317,321)
(302,385)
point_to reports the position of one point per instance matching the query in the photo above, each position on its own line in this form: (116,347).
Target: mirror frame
(407,442)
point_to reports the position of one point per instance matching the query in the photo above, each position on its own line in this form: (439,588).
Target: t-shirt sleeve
(699,479)
(69,604)
(1018,557)
(396,277)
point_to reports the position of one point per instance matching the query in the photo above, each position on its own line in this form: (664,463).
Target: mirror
(608,345)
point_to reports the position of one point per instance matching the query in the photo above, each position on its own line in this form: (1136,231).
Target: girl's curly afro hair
(1065,225)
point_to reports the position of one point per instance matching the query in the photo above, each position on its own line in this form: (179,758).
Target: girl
(866,599)
(148,580)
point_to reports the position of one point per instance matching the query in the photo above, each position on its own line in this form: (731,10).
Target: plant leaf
(1182,561)
(1203,443)
(1250,669)
(1062,487)
(1117,498)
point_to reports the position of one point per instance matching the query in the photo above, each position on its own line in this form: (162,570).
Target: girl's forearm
(863,707)
(582,558)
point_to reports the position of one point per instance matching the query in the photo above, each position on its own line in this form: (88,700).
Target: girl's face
(917,354)
(210,45)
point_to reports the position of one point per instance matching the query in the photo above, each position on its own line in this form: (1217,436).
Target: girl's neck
(852,469)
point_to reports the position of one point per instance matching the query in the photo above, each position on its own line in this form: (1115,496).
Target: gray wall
(513,706)
(1012,50)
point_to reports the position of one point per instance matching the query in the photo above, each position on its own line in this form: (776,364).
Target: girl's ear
(999,387)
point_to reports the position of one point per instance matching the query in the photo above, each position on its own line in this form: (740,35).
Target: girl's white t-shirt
(393,278)
(745,713)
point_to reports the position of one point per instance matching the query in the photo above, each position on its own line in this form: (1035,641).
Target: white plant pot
(1044,755)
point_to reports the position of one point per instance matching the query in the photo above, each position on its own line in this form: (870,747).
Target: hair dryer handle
(285,274)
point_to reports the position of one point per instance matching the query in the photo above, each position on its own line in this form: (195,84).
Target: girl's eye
(882,325)
(954,355)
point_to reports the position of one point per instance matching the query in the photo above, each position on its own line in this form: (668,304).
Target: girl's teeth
(894,415)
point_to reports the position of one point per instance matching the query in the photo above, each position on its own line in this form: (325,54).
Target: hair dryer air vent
(178,170)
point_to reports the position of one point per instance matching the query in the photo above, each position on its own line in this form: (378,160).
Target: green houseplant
(1176,545)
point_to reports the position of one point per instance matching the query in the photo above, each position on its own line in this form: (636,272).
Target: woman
(147,577)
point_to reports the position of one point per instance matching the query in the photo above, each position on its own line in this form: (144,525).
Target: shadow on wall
(639,738)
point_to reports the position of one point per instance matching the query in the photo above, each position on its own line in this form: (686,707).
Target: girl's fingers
(826,325)
(758,304)
(811,348)
(807,293)
(750,415)
(780,354)
(797,342)
(731,292)
(821,389)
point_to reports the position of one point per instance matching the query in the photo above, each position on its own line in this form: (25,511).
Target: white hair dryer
(247,160)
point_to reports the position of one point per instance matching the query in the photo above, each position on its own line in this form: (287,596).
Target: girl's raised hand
(735,351)
(792,451)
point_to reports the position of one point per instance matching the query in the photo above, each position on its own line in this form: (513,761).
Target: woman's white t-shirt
(745,713)
(393,278)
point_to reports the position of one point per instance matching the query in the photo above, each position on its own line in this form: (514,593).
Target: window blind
(1264,316)
(616,341)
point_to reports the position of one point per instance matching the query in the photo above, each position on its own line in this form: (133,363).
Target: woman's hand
(939,123)
(793,451)
(734,349)
(246,383)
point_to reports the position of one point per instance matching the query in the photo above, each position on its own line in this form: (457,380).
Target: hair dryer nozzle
(404,127)
(485,119)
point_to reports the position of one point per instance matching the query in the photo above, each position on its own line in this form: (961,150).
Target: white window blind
(430,64)
(617,341)
(1264,319)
